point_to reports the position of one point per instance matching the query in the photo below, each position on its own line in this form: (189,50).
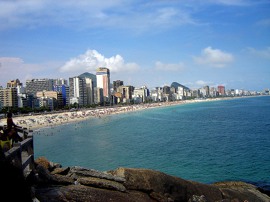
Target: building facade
(221,90)
(9,97)
(81,91)
(52,95)
(64,89)
(116,84)
(35,85)
(103,81)
(14,83)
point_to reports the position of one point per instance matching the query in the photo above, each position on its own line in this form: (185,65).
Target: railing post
(25,133)
(21,154)
(30,151)
(18,157)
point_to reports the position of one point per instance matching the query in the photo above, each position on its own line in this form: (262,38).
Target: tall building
(140,94)
(98,98)
(89,90)
(60,81)
(166,89)
(75,90)
(64,89)
(207,91)
(103,81)
(9,97)
(57,96)
(116,84)
(81,91)
(126,92)
(14,83)
(221,90)
(35,85)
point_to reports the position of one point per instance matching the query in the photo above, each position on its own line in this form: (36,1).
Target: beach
(36,121)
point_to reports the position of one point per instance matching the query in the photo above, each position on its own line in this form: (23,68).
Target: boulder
(61,171)
(159,184)
(241,191)
(130,184)
(43,161)
(78,172)
(81,193)
(102,183)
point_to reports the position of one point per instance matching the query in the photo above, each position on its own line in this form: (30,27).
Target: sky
(151,42)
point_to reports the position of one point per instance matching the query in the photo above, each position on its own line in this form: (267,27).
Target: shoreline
(35,122)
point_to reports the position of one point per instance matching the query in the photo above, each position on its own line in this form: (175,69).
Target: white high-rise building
(74,90)
(81,91)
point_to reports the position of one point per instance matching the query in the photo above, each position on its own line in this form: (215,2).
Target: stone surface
(61,171)
(101,183)
(81,193)
(159,184)
(123,184)
(241,191)
(77,172)
(43,161)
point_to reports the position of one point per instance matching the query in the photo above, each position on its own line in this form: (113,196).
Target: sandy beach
(33,122)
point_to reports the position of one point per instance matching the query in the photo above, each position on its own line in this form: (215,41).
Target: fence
(22,154)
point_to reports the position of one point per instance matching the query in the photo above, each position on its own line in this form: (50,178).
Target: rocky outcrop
(127,184)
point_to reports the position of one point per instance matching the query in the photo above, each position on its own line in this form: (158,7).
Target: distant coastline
(37,121)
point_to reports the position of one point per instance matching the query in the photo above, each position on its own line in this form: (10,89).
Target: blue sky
(152,43)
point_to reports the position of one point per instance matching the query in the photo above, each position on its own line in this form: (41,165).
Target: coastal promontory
(51,182)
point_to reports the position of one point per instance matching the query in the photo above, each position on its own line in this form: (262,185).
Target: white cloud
(214,57)
(169,67)
(201,82)
(92,59)
(16,68)
(260,53)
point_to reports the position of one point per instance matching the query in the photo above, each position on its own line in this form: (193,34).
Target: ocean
(206,141)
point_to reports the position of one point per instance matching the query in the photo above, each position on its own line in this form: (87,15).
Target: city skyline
(152,43)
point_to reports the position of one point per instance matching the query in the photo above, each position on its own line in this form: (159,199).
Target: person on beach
(11,130)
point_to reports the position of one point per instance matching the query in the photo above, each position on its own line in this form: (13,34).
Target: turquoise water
(205,142)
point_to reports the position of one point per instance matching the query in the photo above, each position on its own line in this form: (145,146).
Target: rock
(195,198)
(43,174)
(77,172)
(45,177)
(62,180)
(43,161)
(102,183)
(61,171)
(159,184)
(241,191)
(54,165)
(81,193)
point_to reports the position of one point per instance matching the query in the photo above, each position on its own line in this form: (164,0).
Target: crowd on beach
(46,120)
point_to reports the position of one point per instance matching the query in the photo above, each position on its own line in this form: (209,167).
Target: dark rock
(61,171)
(81,193)
(43,162)
(43,174)
(77,172)
(45,177)
(241,191)
(61,180)
(177,189)
(102,183)
(54,165)
(195,198)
